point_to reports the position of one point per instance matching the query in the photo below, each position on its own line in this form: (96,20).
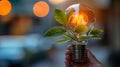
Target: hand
(91,62)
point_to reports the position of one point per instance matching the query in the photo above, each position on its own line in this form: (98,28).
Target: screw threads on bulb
(78,53)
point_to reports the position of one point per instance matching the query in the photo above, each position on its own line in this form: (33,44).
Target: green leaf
(81,29)
(60,16)
(96,38)
(84,38)
(61,41)
(71,36)
(96,32)
(55,31)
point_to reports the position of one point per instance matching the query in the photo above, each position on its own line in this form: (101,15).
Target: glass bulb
(80,19)
(80,15)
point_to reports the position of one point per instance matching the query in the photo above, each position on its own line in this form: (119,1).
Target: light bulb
(79,16)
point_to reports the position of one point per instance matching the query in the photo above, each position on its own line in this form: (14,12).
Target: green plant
(79,33)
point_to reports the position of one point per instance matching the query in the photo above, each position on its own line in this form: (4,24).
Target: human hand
(91,62)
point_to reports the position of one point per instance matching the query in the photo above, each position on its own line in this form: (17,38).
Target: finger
(71,64)
(68,61)
(67,64)
(69,47)
(67,52)
(91,57)
(67,57)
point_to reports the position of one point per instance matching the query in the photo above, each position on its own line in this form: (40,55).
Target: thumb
(91,57)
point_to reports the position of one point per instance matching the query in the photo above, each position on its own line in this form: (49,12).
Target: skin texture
(91,62)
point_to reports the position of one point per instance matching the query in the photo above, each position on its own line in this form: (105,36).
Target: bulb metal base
(78,53)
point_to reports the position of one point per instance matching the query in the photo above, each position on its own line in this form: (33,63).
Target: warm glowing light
(55,2)
(41,9)
(79,19)
(5,7)
(79,15)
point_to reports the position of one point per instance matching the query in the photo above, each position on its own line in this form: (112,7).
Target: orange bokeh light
(5,7)
(41,9)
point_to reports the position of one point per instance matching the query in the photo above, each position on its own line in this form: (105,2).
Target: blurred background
(22,41)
